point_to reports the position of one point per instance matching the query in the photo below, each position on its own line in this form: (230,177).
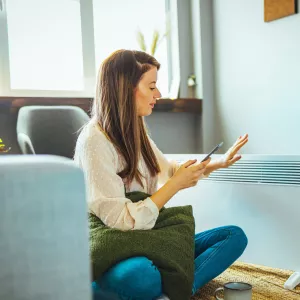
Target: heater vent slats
(262,172)
(277,172)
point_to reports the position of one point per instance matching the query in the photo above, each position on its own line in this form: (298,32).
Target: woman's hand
(231,156)
(189,174)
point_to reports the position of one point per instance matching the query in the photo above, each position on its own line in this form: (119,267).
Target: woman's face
(146,93)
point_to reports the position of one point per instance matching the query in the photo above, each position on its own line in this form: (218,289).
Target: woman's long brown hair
(115,109)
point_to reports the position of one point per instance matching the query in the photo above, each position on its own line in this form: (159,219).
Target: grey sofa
(44,251)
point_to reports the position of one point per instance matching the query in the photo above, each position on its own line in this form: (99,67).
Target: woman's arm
(165,193)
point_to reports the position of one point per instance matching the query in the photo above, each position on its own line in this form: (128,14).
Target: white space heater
(261,194)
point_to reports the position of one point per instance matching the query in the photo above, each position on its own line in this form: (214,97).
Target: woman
(118,157)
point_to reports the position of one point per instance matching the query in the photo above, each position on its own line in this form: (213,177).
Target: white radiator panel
(268,213)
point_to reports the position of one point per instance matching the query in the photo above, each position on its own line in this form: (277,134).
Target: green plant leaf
(141,40)
(155,40)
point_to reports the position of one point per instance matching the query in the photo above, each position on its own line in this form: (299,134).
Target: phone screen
(212,151)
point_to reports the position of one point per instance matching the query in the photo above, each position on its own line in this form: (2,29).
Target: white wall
(210,121)
(257,77)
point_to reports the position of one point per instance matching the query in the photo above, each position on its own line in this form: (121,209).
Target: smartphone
(212,151)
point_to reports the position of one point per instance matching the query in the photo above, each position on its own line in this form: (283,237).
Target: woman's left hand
(231,156)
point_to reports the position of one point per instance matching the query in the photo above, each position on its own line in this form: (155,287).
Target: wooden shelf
(13,104)
(189,105)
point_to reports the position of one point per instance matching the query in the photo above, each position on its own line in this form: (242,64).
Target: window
(45,45)
(55,48)
(115,27)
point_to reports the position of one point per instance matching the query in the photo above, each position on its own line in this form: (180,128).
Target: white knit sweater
(100,161)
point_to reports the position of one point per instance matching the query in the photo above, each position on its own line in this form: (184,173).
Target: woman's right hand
(186,176)
(189,174)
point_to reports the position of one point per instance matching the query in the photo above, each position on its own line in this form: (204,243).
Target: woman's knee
(137,277)
(239,236)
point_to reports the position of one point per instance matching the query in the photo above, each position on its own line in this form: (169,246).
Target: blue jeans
(215,251)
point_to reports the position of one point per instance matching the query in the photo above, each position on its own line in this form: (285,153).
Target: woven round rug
(267,282)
